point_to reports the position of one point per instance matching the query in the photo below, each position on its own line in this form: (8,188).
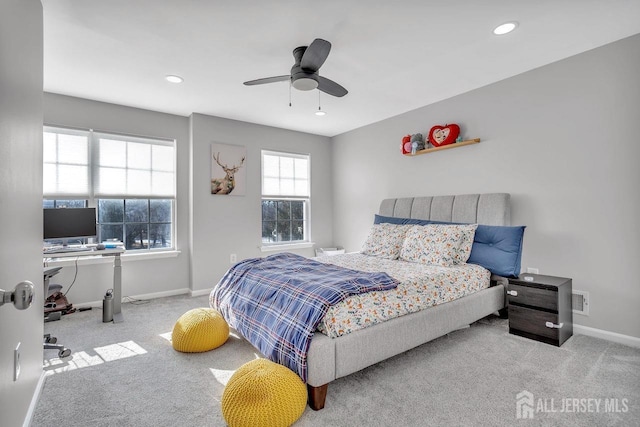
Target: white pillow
(438,244)
(385,240)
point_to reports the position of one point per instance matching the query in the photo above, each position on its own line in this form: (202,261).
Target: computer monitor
(69,223)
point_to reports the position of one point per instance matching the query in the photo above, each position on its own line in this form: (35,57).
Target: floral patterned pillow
(468,234)
(438,244)
(385,240)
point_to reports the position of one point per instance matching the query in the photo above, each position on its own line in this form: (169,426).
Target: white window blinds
(134,167)
(285,175)
(84,164)
(66,163)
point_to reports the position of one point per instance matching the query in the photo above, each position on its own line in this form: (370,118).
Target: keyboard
(65,250)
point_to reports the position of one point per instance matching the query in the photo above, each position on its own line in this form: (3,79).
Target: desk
(117,273)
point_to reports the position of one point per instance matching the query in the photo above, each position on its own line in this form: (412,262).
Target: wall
(20,196)
(140,277)
(562,139)
(223,225)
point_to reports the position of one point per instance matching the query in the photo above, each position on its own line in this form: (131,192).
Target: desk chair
(49,341)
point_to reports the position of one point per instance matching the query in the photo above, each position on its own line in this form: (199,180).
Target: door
(20,201)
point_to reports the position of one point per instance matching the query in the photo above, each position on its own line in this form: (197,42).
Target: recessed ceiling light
(174,79)
(505,28)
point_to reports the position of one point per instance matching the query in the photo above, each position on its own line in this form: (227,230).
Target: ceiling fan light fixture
(505,28)
(174,79)
(305,83)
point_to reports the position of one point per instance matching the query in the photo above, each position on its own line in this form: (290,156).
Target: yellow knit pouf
(263,393)
(198,330)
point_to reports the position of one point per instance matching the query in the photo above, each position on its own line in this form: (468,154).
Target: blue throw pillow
(400,221)
(497,248)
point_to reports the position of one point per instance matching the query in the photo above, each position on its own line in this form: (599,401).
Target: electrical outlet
(16,363)
(233,258)
(532,270)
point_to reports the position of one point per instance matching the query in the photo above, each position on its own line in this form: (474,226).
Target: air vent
(580,302)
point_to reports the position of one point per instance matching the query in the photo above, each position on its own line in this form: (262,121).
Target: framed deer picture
(228,172)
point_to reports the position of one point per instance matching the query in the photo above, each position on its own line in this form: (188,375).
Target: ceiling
(393,57)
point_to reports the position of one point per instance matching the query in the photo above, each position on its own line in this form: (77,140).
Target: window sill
(286,246)
(99,259)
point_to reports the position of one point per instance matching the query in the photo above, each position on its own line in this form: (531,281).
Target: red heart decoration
(443,135)
(406,149)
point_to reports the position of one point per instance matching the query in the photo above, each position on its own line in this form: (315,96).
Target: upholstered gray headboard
(488,209)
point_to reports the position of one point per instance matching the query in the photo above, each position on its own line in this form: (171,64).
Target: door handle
(21,296)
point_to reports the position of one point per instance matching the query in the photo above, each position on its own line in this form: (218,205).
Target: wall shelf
(444,147)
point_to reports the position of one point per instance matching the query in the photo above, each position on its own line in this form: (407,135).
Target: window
(54,204)
(285,198)
(130,180)
(133,167)
(66,163)
(139,223)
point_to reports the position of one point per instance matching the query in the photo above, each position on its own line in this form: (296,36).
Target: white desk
(117,273)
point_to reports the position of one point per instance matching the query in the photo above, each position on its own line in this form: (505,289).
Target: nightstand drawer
(533,297)
(534,322)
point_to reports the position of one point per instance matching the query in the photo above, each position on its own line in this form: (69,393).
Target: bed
(329,358)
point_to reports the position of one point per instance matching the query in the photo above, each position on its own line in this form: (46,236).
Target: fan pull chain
(320,112)
(289,92)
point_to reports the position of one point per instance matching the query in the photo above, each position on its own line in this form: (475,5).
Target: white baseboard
(606,335)
(200,292)
(159,294)
(34,400)
(578,329)
(152,295)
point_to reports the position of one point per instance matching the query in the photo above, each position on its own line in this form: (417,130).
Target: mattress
(421,286)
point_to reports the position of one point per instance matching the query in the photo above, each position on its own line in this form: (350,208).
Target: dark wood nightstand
(540,308)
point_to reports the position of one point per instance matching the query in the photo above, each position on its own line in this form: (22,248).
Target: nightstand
(540,308)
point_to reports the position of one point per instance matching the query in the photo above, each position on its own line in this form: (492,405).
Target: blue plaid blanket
(277,302)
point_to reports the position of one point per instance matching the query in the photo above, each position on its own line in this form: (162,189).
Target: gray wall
(562,139)
(140,277)
(20,198)
(223,225)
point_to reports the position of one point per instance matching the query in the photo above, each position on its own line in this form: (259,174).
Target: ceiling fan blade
(268,80)
(315,55)
(331,87)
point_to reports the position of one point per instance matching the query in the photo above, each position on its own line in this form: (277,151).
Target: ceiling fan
(304,73)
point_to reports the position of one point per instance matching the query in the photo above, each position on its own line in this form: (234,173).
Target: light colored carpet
(128,374)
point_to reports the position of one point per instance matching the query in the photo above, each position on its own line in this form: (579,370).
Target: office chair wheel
(64,353)
(51,340)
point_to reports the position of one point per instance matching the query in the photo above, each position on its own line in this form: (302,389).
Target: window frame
(92,199)
(307,240)
(148,223)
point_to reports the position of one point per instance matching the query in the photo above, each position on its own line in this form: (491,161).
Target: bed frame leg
(503,313)
(317,396)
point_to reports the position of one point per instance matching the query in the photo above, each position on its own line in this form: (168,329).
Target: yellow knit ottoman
(198,330)
(265,394)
